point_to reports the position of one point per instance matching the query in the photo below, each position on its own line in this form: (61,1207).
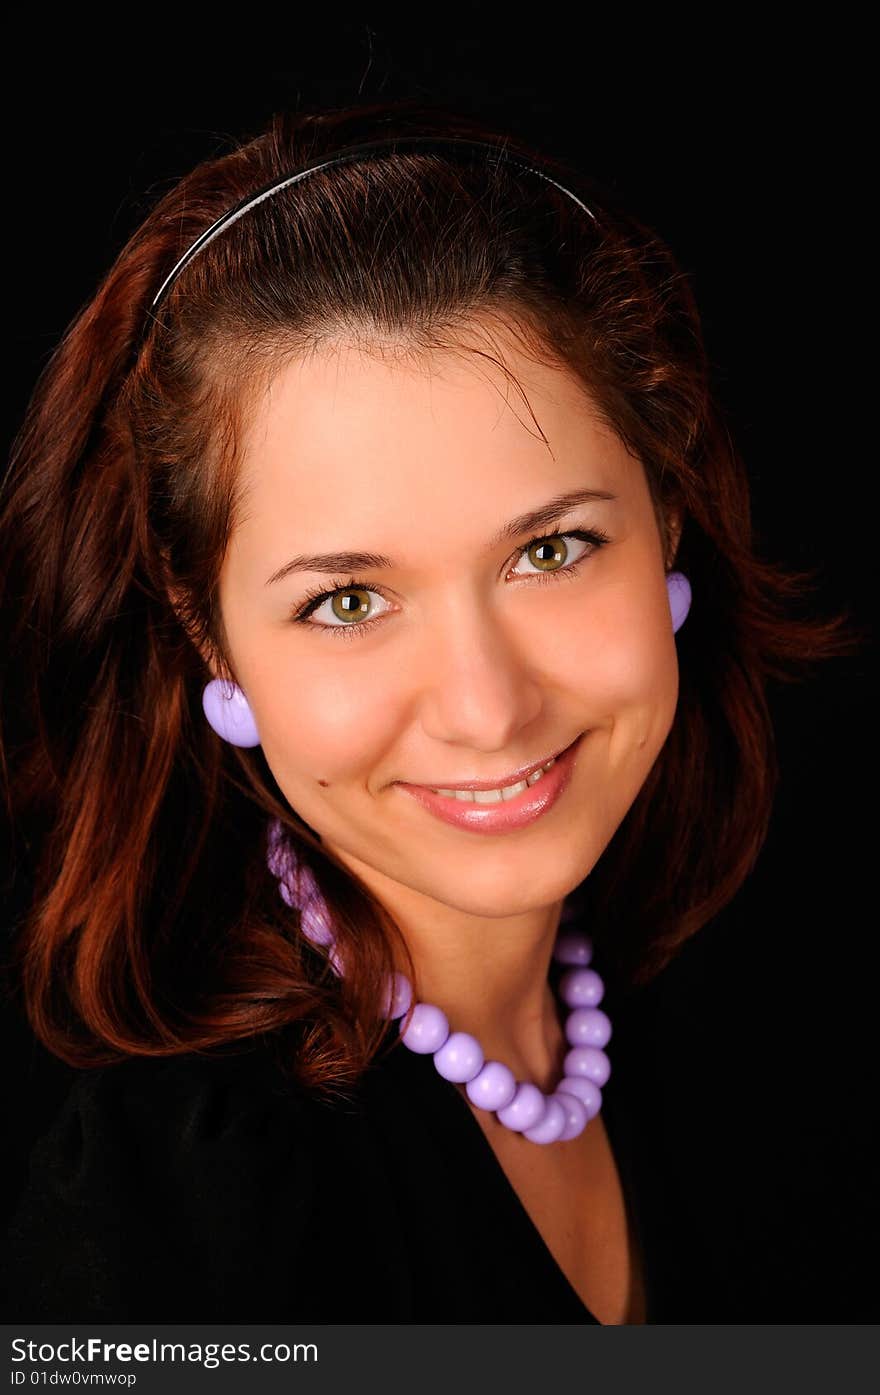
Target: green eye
(346,606)
(547,553)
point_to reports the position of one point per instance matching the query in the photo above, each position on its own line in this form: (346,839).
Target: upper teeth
(502,792)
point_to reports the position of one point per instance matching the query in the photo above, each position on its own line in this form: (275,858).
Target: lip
(510,779)
(529,805)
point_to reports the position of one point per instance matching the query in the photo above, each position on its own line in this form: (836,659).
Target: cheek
(628,686)
(632,672)
(329,727)
(625,646)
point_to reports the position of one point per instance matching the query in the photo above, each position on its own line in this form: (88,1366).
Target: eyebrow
(531,521)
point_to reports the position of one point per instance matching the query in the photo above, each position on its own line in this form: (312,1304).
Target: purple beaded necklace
(458,1057)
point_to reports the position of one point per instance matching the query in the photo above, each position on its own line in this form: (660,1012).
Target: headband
(452,144)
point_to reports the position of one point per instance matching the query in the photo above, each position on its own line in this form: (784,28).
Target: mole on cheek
(323,783)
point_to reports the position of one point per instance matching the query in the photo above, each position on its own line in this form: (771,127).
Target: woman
(361,762)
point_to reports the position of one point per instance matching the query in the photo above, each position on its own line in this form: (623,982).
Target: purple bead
(228,712)
(581,988)
(576,1117)
(549,1128)
(284,864)
(525,1109)
(427,1029)
(583,1089)
(493,1088)
(398,996)
(299,883)
(679,590)
(588,1061)
(588,1027)
(278,859)
(459,1058)
(573,947)
(315,923)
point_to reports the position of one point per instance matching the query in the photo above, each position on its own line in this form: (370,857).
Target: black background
(743,148)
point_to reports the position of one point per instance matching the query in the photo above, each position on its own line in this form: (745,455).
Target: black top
(212,1189)
(208,1188)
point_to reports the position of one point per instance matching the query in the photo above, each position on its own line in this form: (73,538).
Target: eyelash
(314,598)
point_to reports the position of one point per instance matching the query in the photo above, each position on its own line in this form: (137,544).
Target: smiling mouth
(498,793)
(481,792)
(501,808)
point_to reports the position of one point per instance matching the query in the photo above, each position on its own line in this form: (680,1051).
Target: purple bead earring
(228,710)
(229,713)
(679,590)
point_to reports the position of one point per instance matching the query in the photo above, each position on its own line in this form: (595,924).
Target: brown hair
(149,922)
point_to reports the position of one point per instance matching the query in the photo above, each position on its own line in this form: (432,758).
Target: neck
(488,974)
(490,977)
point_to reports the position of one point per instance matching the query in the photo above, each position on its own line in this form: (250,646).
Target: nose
(478,683)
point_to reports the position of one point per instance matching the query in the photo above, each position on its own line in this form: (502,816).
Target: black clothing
(213,1189)
(209,1188)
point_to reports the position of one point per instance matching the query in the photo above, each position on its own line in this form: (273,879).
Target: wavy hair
(148,923)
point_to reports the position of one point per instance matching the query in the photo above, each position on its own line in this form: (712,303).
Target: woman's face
(480,646)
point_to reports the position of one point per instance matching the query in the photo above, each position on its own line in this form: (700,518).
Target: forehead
(346,437)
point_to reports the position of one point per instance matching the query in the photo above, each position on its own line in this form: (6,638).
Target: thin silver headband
(359,152)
